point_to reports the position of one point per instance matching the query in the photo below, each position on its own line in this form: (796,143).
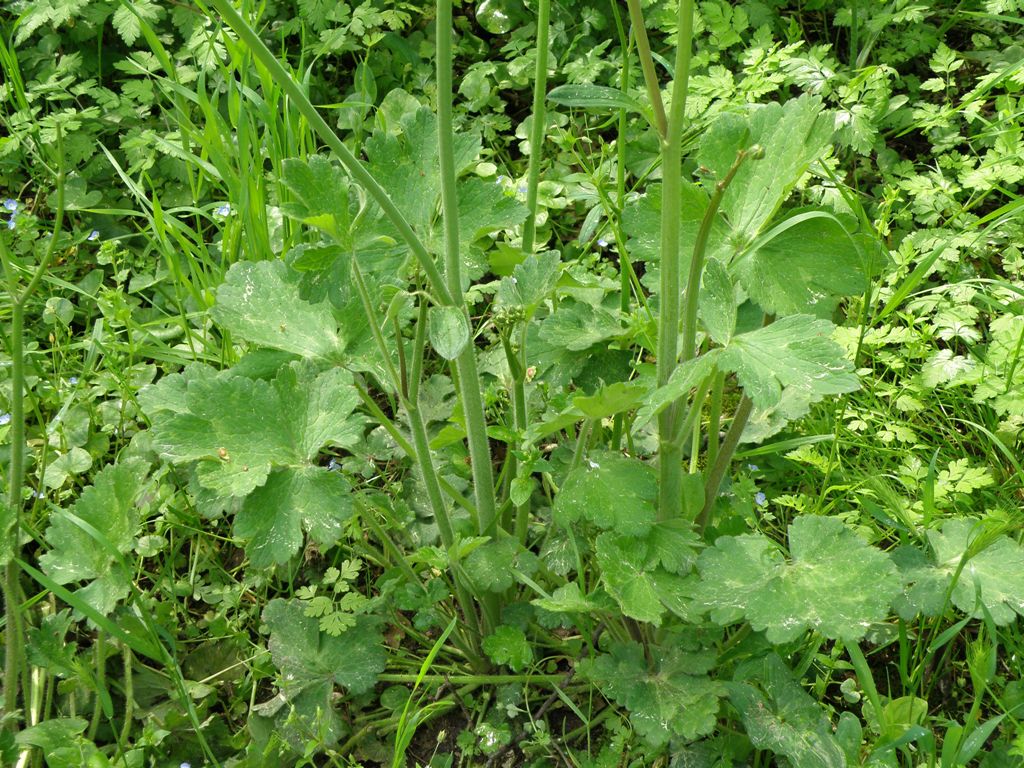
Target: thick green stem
(469,385)
(540,87)
(670,500)
(356,169)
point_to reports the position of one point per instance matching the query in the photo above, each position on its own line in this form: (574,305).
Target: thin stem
(643,48)
(714,478)
(540,86)
(700,245)
(469,384)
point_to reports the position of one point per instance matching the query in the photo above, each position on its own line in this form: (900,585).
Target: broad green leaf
(260,440)
(627,577)
(619,397)
(793,136)
(821,588)
(576,326)
(322,189)
(992,578)
(305,655)
(74,462)
(448,331)
(671,698)
(612,491)
(794,351)
(312,663)
(673,543)
(492,566)
(508,645)
(804,267)
(530,282)
(717,302)
(274,516)
(484,208)
(109,506)
(259,302)
(589,96)
(406,164)
(780,716)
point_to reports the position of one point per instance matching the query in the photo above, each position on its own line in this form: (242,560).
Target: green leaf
(508,645)
(612,492)
(804,265)
(109,507)
(484,208)
(260,440)
(778,715)
(576,326)
(66,465)
(489,566)
(717,302)
(448,331)
(569,599)
(259,302)
(322,192)
(793,136)
(531,281)
(312,663)
(625,574)
(588,96)
(992,578)
(405,164)
(306,656)
(672,698)
(685,377)
(619,397)
(274,516)
(794,351)
(822,588)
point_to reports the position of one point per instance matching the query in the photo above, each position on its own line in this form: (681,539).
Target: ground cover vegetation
(562,382)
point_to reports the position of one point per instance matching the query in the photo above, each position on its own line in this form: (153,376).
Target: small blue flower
(186,765)
(602,243)
(11,205)
(10,222)
(760,499)
(5,419)
(94,235)
(223,210)
(753,467)
(73,380)
(333,464)
(500,180)
(521,189)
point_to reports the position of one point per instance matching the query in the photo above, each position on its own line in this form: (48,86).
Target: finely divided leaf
(794,351)
(821,588)
(259,302)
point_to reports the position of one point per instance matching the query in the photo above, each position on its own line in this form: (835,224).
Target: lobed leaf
(821,588)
